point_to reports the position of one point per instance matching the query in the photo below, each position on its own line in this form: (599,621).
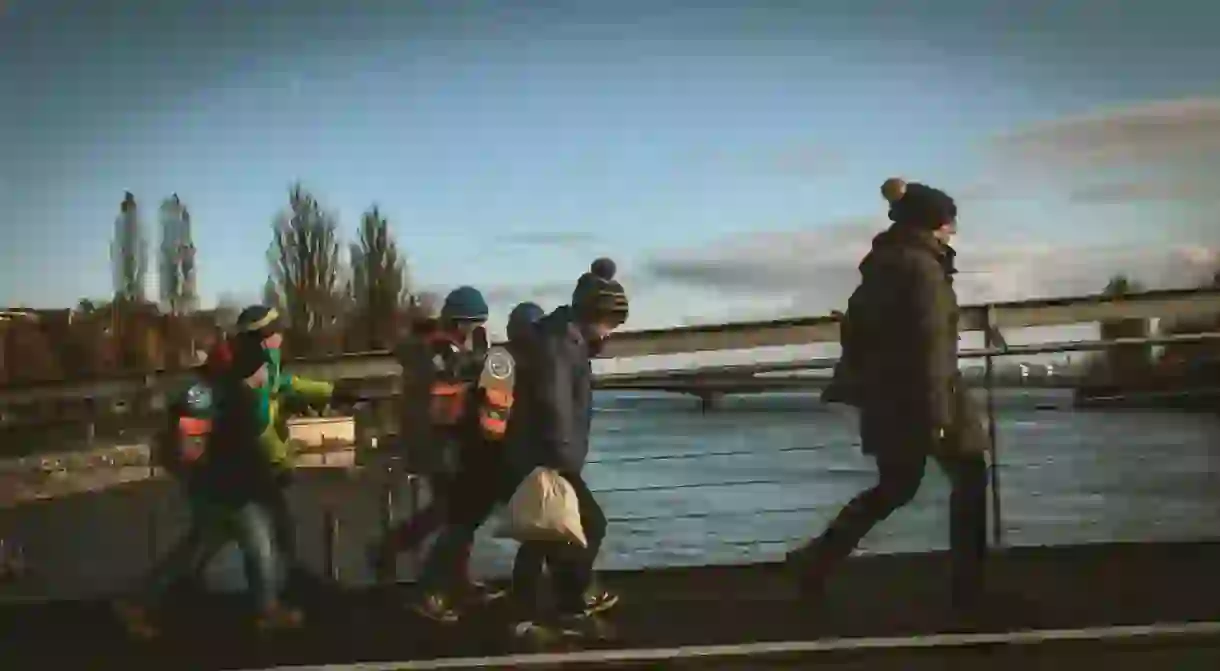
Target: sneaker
(480,592)
(599,601)
(135,619)
(437,607)
(585,627)
(532,636)
(279,618)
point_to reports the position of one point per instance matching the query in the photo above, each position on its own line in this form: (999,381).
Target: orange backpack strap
(496,398)
(494,411)
(194,427)
(447,402)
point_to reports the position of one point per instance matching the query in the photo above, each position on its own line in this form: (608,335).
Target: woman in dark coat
(899,367)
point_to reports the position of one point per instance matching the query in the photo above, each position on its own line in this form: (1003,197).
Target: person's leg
(205,536)
(446,573)
(527,578)
(284,530)
(412,532)
(253,527)
(967,524)
(482,492)
(593,521)
(899,475)
(210,544)
(572,571)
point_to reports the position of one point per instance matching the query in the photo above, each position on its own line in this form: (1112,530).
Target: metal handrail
(331,522)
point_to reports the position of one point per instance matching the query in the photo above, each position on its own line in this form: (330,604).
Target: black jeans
(900,475)
(571,566)
(472,496)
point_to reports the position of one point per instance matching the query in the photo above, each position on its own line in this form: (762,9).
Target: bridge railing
(340,512)
(988,318)
(747,492)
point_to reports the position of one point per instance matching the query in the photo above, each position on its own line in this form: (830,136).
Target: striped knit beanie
(598,296)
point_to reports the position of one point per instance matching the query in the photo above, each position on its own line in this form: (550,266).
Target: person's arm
(932,343)
(310,391)
(557,420)
(275,448)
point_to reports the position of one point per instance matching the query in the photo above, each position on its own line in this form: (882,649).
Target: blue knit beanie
(464,303)
(522,318)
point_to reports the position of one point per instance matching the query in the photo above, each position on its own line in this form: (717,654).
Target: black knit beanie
(248,357)
(598,296)
(259,320)
(918,205)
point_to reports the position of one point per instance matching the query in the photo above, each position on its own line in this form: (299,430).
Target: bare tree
(176,271)
(378,287)
(129,253)
(271,295)
(1122,285)
(306,266)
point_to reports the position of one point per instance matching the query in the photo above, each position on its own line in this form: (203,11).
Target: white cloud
(1143,153)
(1137,135)
(814,269)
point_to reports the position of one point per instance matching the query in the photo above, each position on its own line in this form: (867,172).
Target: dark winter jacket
(427,359)
(899,338)
(554,399)
(234,469)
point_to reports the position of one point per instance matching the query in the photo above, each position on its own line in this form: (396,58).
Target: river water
(739,484)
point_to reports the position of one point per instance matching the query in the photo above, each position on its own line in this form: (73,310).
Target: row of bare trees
(329,305)
(331,301)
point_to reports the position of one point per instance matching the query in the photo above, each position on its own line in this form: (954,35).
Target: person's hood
(563,319)
(902,237)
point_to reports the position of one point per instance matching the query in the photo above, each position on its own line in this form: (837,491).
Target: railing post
(330,544)
(413,501)
(993,471)
(152,515)
(387,519)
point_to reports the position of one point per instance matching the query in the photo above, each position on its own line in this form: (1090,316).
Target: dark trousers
(472,496)
(283,526)
(283,529)
(570,566)
(419,527)
(900,475)
(212,527)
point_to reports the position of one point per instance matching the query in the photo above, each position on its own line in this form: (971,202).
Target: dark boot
(811,568)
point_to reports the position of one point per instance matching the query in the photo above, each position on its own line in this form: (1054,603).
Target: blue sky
(728,158)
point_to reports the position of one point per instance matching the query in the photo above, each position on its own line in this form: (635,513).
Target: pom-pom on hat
(918,205)
(598,295)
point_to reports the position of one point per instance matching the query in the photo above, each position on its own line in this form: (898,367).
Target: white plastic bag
(543,508)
